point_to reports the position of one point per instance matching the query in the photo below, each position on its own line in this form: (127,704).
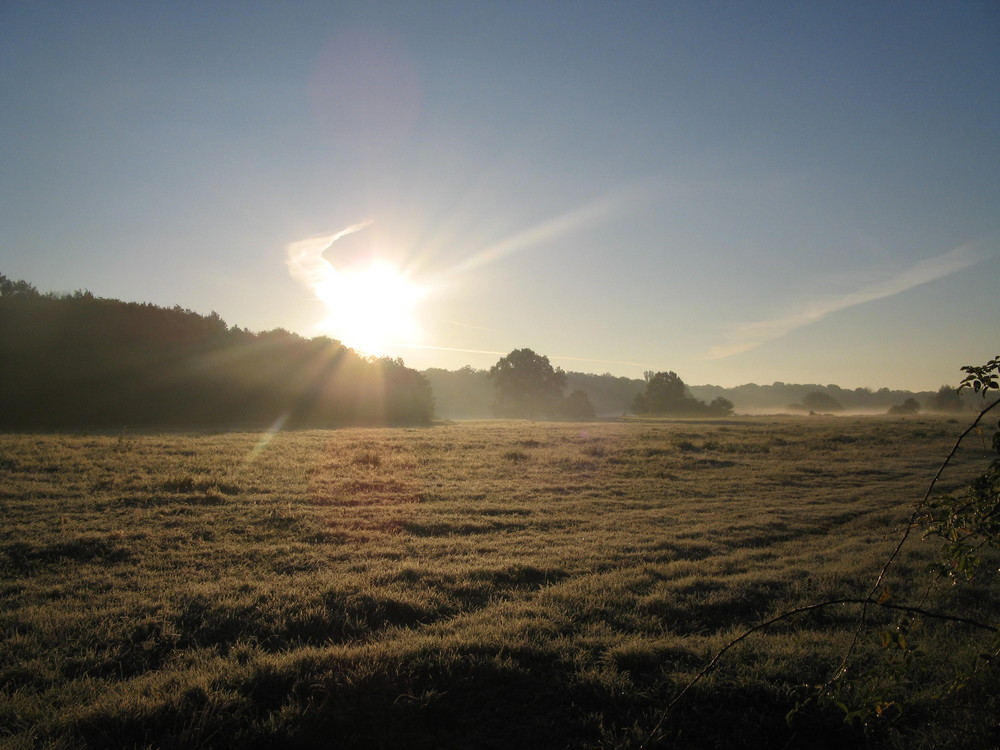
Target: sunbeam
(369,306)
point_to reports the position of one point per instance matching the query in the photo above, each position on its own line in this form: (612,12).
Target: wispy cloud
(747,336)
(305,260)
(584,217)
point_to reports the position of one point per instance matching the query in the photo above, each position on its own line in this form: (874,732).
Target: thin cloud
(584,217)
(749,336)
(305,260)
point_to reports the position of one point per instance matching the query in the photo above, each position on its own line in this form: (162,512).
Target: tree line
(470,393)
(78,360)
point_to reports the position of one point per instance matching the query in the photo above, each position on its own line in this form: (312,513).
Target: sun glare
(370,308)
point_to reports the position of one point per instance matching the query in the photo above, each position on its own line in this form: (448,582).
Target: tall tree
(527,385)
(665,393)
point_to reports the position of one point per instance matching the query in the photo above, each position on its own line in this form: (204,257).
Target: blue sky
(740,192)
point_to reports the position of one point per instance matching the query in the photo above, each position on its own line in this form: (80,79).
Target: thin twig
(910,525)
(929,613)
(798,611)
(865,602)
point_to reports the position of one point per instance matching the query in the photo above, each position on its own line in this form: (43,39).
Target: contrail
(747,336)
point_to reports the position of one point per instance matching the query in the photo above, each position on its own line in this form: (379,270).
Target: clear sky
(739,192)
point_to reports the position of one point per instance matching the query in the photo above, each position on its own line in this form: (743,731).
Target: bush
(909,406)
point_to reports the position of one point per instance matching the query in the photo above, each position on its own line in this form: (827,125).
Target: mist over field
(468,394)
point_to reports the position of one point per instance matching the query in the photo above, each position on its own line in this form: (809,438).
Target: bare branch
(985,381)
(798,611)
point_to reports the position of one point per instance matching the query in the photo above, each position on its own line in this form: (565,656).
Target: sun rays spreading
(370,306)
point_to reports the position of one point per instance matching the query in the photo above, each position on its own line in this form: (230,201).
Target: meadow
(479,585)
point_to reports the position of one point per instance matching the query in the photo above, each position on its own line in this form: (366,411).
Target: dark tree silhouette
(527,385)
(82,361)
(11,288)
(721,406)
(665,393)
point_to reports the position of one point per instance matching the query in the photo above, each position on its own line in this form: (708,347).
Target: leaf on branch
(984,378)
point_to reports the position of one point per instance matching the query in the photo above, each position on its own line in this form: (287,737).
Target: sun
(369,302)
(370,308)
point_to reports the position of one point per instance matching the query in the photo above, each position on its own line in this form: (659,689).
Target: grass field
(481,584)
